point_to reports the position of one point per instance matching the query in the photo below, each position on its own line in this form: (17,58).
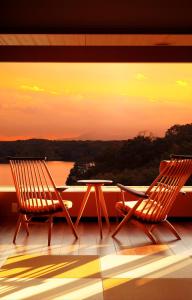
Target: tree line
(136,161)
(132,162)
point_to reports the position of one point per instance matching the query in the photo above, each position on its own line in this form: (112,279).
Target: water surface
(58,169)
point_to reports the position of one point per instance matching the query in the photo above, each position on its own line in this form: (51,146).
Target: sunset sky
(92,100)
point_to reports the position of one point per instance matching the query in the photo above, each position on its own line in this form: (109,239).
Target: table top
(95,181)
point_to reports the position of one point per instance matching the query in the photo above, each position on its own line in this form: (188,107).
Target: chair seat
(42,206)
(147,210)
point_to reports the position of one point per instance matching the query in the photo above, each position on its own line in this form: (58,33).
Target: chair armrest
(61,188)
(132,191)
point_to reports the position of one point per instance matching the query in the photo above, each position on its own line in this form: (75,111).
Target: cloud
(33,88)
(182,83)
(140,76)
(37,89)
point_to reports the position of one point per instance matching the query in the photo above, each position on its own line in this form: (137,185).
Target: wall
(182,207)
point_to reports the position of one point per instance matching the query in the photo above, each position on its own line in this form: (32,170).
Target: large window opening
(112,120)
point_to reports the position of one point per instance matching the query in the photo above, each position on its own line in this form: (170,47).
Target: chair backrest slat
(42,183)
(41,191)
(165,188)
(58,196)
(184,174)
(34,185)
(45,177)
(166,197)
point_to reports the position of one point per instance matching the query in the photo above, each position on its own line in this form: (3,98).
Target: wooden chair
(37,194)
(153,206)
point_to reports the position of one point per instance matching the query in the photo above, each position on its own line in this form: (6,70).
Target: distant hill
(55,149)
(133,161)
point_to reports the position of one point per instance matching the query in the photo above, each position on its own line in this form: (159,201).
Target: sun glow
(92,101)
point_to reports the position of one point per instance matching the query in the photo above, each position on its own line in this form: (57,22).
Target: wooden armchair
(153,206)
(37,194)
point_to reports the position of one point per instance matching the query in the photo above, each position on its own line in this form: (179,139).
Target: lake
(58,169)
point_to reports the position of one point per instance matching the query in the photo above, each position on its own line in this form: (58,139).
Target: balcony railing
(182,207)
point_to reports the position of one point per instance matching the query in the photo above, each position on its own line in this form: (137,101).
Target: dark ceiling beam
(96,16)
(96,54)
(102,29)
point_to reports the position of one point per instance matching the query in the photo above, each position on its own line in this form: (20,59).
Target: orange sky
(92,100)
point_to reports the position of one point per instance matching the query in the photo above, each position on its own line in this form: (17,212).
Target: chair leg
(152,227)
(172,229)
(18,226)
(25,224)
(83,204)
(143,227)
(50,229)
(150,235)
(125,219)
(146,230)
(69,221)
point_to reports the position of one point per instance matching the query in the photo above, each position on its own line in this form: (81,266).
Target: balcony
(91,267)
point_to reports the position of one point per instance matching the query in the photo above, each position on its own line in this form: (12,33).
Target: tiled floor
(128,267)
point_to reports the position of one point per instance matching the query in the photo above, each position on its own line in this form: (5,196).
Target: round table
(96,184)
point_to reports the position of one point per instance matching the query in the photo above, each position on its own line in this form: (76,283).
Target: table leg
(83,204)
(103,205)
(98,211)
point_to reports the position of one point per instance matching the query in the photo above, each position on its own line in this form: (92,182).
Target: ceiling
(96,16)
(84,30)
